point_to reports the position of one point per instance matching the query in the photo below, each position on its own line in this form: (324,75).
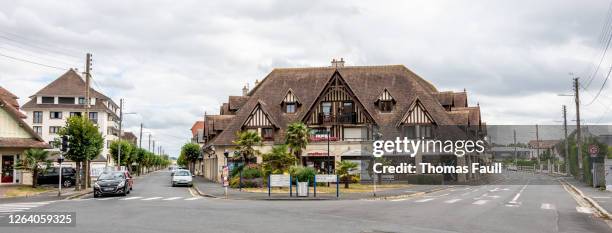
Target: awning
(316,153)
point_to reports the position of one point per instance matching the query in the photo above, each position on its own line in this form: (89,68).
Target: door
(8,162)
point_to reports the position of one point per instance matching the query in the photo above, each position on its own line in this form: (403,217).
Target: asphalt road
(522,203)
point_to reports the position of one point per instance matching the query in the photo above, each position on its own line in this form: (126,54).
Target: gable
(290,97)
(417,115)
(11,128)
(258,119)
(385,96)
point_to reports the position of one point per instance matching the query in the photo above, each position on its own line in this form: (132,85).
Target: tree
(278,160)
(181,161)
(139,156)
(190,152)
(344,169)
(85,143)
(32,162)
(297,138)
(126,151)
(245,142)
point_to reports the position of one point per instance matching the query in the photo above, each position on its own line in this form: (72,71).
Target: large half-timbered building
(346,108)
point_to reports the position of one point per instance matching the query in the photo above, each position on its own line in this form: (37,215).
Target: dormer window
(48,100)
(385,101)
(290,103)
(82,100)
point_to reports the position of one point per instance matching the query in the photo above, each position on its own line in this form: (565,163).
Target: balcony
(341,118)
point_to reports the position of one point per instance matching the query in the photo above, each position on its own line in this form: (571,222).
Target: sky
(172,61)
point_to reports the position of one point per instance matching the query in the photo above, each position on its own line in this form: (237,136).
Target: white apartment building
(49,108)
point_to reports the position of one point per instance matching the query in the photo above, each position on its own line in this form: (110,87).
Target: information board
(326,178)
(280,181)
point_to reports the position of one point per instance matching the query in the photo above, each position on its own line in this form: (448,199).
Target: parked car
(182,177)
(51,176)
(112,183)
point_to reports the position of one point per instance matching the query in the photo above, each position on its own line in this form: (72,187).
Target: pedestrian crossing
(21,206)
(146,199)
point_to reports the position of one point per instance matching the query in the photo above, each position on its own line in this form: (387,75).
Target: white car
(182,177)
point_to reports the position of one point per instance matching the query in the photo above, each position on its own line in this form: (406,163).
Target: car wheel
(124,192)
(67,183)
(96,195)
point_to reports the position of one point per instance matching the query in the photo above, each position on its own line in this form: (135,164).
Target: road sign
(225,176)
(327,178)
(280,181)
(593,150)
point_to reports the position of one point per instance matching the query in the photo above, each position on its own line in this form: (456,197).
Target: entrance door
(8,161)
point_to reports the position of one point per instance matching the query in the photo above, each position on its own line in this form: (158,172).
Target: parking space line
(151,198)
(129,198)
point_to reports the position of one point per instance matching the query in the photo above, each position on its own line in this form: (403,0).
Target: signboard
(225,175)
(593,150)
(326,178)
(280,181)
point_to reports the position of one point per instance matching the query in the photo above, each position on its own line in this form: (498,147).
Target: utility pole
(578,138)
(87,182)
(567,165)
(120,124)
(153,147)
(537,143)
(515,155)
(140,138)
(149,142)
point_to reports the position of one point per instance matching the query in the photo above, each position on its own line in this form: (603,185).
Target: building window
(425,131)
(48,100)
(326,108)
(38,130)
(54,129)
(37,117)
(410,131)
(386,106)
(72,114)
(93,116)
(66,100)
(82,100)
(290,107)
(55,115)
(267,134)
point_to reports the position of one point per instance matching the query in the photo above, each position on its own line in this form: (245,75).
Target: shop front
(320,160)
(8,175)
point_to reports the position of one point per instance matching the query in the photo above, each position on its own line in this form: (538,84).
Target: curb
(75,196)
(405,195)
(592,202)
(195,187)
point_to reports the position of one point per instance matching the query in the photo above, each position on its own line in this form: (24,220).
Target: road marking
(480,202)
(129,198)
(193,198)
(172,198)
(516,197)
(17,207)
(602,197)
(584,210)
(151,198)
(106,198)
(424,200)
(547,206)
(452,201)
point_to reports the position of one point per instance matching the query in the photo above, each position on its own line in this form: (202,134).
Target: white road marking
(511,205)
(106,198)
(516,197)
(130,198)
(424,200)
(17,207)
(151,198)
(602,197)
(480,202)
(547,206)
(401,199)
(193,198)
(452,201)
(172,198)
(584,210)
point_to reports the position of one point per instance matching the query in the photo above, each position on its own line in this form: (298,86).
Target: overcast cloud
(173,60)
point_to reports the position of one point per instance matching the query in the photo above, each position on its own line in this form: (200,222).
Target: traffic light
(64,143)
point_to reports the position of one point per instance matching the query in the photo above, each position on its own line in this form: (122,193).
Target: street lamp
(121,133)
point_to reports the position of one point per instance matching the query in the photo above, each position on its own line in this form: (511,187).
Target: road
(521,203)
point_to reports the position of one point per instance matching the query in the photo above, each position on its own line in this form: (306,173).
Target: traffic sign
(593,150)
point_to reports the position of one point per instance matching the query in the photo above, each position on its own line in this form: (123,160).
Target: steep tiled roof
(35,141)
(11,99)
(367,82)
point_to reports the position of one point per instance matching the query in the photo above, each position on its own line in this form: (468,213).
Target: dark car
(112,183)
(51,176)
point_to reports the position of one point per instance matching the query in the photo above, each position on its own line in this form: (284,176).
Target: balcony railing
(341,118)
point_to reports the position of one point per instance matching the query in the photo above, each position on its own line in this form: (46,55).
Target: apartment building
(346,108)
(50,107)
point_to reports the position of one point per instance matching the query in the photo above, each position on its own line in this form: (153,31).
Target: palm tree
(344,169)
(297,139)
(245,142)
(32,162)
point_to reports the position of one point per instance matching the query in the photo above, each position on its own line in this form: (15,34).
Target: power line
(35,45)
(605,37)
(31,62)
(26,52)
(602,87)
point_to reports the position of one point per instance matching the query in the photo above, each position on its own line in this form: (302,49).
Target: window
(48,100)
(55,115)
(386,106)
(82,100)
(38,130)
(326,108)
(66,100)
(37,117)
(54,129)
(75,114)
(290,107)
(267,134)
(425,131)
(410,131)
(93,116)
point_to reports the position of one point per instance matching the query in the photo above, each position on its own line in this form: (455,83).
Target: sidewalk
(215,190)
(599,198)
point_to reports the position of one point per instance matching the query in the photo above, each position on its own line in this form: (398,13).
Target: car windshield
(111,176)
(182,173)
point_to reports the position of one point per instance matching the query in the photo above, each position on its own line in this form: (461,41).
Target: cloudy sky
(172,61)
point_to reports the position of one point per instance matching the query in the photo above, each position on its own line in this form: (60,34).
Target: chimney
(256,82)
(337,63)
(245,90)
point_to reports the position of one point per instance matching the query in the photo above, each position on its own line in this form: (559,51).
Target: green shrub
(246,183)
(250,173)
(302,173)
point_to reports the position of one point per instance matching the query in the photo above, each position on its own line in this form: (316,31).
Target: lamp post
(328,150)
(60,159)
(225,172)
(121,113)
